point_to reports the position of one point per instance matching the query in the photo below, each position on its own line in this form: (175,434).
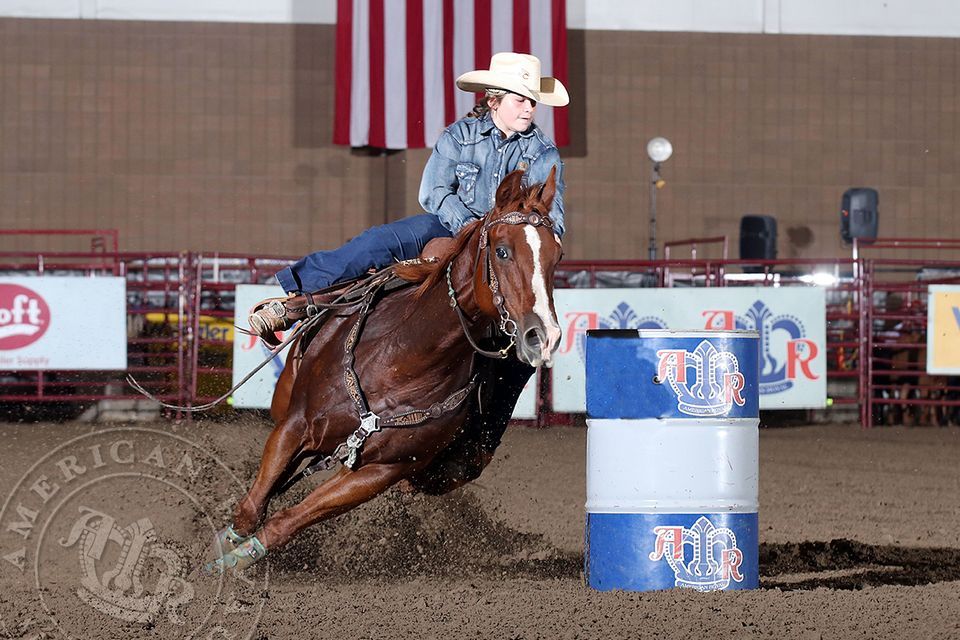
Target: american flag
(397,60)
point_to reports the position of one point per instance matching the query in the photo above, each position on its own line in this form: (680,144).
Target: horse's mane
(430,273)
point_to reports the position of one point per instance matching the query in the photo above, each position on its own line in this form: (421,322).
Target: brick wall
(216,136)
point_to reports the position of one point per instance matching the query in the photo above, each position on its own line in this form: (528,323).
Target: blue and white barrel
(672,459)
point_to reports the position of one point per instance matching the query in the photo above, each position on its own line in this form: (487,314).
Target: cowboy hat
(518,73)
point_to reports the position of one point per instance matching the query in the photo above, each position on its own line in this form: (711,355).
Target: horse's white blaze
(541,301)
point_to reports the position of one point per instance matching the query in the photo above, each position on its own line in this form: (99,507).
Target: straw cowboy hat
(518,73)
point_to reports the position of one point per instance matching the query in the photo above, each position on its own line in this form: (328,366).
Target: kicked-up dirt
(103,530)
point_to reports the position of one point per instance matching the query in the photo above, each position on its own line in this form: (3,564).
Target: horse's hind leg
(339,494)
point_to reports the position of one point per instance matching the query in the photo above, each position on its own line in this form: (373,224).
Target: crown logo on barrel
(707,381)
(714,559)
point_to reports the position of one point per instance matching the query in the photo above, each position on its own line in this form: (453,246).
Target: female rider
(459,184)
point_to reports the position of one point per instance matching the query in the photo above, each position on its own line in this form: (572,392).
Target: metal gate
(896,388)
(181,307)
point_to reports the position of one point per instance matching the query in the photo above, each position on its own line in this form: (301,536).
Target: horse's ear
(549,189)
(509,188)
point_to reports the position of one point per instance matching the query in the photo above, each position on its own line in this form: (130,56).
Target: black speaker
(758,238)
(859,214)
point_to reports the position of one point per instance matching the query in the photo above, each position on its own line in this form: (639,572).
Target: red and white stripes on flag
(397,61)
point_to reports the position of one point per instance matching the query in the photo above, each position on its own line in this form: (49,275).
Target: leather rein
(507,324)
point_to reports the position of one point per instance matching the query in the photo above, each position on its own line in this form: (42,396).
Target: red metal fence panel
(178,306)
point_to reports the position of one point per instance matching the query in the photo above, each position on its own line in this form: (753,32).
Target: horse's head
(518,255)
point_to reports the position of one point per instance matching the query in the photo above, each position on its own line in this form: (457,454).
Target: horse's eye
(502,253)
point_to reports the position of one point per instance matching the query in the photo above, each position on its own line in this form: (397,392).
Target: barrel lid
(673,333)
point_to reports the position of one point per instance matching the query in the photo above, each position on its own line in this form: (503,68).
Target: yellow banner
(210,328)
(943,329)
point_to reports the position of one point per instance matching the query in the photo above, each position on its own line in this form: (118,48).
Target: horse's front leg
(282,448)
(280,404)
(344,491)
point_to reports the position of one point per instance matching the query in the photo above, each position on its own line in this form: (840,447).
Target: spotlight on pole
(659,150)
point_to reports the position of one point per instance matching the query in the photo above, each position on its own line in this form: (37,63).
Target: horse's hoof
(247,553)
(227,540)
(214,567)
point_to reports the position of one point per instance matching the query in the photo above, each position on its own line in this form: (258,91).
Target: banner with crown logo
(791,322)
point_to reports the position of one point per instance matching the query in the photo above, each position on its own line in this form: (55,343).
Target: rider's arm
(438,187)
(539,171)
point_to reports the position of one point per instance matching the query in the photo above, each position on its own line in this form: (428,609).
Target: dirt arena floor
(103,528)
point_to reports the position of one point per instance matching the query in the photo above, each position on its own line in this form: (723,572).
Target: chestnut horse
(384,393)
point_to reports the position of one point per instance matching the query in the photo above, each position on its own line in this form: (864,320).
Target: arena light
(820,279)
(659,150)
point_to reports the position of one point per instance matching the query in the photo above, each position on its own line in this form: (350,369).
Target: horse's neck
(441,336)
(465,281)
(466,276)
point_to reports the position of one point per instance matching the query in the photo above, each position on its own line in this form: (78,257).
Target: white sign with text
(63,323)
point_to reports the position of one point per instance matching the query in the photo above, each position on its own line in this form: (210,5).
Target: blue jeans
(374,248)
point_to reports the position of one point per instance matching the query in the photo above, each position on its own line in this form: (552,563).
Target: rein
(507,324)
(364,294)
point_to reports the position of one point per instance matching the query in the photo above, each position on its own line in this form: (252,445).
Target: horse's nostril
(533,337)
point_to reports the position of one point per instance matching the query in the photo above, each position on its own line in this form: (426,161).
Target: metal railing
(180,307)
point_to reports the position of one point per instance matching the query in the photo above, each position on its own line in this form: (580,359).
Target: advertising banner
(62,323)
(791,322)
(248,352)
(943,329)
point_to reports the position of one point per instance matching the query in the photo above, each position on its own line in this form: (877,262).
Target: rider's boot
(279,314)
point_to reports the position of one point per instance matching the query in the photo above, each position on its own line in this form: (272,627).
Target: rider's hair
(482,107)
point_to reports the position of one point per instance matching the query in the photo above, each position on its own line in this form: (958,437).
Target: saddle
(273,315)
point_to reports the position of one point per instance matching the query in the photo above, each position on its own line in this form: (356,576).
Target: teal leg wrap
(246,554)
(226,540)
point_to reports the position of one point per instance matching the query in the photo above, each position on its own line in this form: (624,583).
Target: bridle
(508,326)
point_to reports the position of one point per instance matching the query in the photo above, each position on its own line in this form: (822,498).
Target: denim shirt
(471,158)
